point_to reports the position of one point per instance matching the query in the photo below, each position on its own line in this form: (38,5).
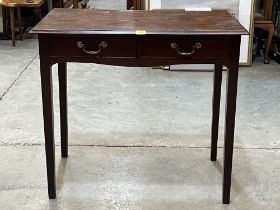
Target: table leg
(216,109)
(12,19)
(62,77)
(46,84)
(232,79)
(19,22)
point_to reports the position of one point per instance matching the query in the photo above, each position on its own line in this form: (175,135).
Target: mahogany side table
(139,38)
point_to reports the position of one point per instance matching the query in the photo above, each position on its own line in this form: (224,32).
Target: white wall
(155,4)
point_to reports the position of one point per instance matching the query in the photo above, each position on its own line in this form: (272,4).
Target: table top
(160,22)
(21,3)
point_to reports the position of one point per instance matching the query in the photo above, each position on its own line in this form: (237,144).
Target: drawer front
(193,48)
(89,47)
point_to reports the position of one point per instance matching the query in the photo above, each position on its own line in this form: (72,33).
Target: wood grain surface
(20,3)
(66,21)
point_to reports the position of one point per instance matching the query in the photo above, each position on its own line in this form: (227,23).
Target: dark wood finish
(62,77)
(135,4)
(269,27)
(5,23)
(218,32)
(267,11)
(12,21)
(216,109)
(264,22)
(160,22)
(232,78)
(19,22)
(60,4)
(129,4)
(161,47)
(68,47)
(75,4)
(47,98)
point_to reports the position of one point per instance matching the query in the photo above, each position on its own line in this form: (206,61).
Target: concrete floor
(108,4)
(139,138)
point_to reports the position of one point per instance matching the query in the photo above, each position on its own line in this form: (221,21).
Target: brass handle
(175,46)
(101,46)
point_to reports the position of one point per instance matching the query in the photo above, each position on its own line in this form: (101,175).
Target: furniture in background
(263,21)
(17,4)
(65,4)
(187,37)
(83,4)
(134,4)
(4,34)
(75,4)
(275,49)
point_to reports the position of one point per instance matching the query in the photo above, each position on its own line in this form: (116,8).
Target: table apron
(139,62)
(141,51)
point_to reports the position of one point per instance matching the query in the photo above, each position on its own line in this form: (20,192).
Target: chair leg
(270,30)
(258,42)
(12,19)
(19,22)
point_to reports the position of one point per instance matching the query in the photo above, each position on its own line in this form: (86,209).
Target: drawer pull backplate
(101,46)
(175,46)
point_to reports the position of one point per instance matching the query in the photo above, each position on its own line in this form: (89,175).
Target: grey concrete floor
(108,4)
(139,137)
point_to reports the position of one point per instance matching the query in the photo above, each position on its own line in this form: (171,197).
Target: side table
(12,4)
(141,39)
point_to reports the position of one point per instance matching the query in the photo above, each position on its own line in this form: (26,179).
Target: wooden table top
(80,21)
(21,3)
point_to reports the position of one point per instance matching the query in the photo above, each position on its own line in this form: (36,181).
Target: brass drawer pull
(101,46)
(175,46)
